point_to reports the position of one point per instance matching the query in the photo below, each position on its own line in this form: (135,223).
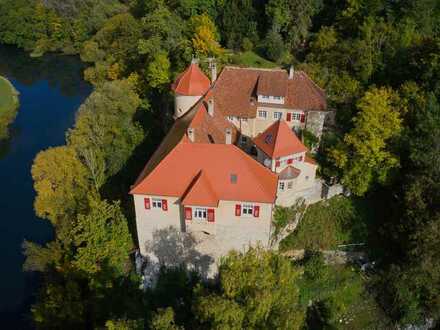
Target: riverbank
(9,104)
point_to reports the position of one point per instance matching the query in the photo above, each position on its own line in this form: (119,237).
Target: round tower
(188,88)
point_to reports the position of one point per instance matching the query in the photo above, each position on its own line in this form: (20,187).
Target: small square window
(248,209)
(281,186)
(296,116)
(157,203)
(262,114)
(200,213)
(277,115)
(243,139)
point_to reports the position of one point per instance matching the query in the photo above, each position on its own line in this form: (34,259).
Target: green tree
(105,133)
(258,289)
(366,155)
(293,17)
(102,240)
(61,183)
(163,319)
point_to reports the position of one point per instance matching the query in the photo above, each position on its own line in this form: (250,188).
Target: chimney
(228,136)
(213,67)
(211,107)
(190,133)
(291,71)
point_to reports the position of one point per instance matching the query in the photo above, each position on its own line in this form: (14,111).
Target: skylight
(268,138)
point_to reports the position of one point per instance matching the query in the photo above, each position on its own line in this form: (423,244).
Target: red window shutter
(237,210)
(147,203)
(277,163)
(211,215)
(164,205)
(303,118)
(289,116)
(289,161)
(188,213)
(256,211)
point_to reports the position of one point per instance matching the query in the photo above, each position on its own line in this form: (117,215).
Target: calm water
(51,90)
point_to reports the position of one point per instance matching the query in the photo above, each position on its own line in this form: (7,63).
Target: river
(51,90)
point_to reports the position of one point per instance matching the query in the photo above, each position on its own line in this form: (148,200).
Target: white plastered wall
(183,103)
(229,231)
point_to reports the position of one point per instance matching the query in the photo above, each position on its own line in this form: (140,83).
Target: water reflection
(51,90)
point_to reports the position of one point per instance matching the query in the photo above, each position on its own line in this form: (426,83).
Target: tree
(237,20)
(102,240)
(258,289)
(205,37)
(274,45)
(294,19)
(163,319)
(416,281)
(61,183)
(105,133)
(366,156)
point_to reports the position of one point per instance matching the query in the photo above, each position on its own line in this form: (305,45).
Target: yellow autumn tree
(61,184)
(205,37)
(366,155)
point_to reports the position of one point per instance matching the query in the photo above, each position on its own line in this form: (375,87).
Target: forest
(379,62)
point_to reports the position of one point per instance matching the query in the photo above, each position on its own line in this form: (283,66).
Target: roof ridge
(254,68)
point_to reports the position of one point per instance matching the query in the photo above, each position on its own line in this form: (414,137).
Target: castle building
(231,155)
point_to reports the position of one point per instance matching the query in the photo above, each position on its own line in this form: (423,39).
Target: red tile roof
(236,89)
(200,192)
(272,83)
(279,140)
(191,82)
(178,175)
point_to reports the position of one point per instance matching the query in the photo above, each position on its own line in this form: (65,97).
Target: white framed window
(262,114)
(157,203)
(296,116)
(277,97)
(248,209)
(289,185)
(265,97)
(200,213)
(281,186)
(277,115)
(230,118)
(244,120)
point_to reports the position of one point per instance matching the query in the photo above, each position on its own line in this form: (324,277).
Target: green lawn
(328,224)
(8,106)
(251,59)
(341,293)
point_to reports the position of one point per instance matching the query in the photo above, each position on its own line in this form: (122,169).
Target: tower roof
(192,82)
(278,140)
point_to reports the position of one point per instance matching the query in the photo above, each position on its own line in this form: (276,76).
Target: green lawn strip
(251,59)
(8,106)
(343,289)
(331,223)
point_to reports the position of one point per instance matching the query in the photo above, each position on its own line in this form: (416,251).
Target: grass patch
(8,106)
(338,298)
(251,59)
(327,224)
